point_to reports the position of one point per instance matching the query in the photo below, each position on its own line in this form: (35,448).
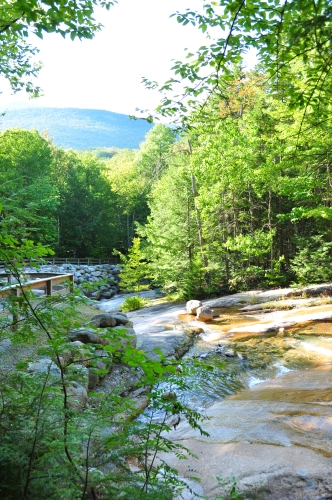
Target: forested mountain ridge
(79,128)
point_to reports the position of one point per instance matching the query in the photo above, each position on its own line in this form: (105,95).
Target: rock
(5,344)
(275,436)
(93,378)
(121,319)
(204,355)
(79,374)
(230,353)
(107,295)
(103,361)
(85,335)
(103,320)
(45,365)
(77,396)
(80,353)
(127,335)
(194,330)
(204,314)
(192,306)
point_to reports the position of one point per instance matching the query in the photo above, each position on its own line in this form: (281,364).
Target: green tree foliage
(130,186)
(261,190)
(19,20)
(134,269)
(132,175)
(155,153)
(86,217)
(51,446)
(28,198)
(286,36)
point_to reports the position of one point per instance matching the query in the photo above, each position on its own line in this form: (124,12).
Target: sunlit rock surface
(276,437)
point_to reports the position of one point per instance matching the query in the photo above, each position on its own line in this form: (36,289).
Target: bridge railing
(81,260)
(49,282)
(70,260)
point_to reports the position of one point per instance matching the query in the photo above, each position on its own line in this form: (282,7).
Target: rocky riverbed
(268,395)
(274,435)
(269,400)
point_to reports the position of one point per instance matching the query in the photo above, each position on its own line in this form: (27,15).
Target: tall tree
(282,34)
(28,198)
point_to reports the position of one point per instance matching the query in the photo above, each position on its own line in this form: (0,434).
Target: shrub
(312,264)
(132,303)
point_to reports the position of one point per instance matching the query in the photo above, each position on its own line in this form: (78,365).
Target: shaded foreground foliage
(51,445)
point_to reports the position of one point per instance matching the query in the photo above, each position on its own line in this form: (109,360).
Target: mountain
(79,128)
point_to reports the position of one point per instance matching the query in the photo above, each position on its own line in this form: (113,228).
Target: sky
(138,39)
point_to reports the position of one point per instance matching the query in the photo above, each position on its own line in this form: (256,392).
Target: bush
(312,264)
(132,304)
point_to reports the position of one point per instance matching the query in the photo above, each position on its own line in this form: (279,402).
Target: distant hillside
(79,128)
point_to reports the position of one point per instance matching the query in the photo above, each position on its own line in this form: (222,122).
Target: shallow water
(257,357)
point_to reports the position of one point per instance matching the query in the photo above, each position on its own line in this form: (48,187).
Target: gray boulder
(192,306)
(45,365)
(77,396)
(103,320)
(204,314)
(85,335)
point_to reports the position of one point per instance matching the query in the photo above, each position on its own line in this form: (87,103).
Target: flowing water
(256,358)
(224,363)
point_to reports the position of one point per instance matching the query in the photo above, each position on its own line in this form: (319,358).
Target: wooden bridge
(51,283)
(81,260)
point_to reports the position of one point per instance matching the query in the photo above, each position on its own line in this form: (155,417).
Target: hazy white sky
(138,39)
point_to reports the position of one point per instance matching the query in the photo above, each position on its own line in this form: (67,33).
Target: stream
(231,362)
(263,379)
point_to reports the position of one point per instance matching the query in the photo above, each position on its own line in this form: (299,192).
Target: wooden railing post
(49,287)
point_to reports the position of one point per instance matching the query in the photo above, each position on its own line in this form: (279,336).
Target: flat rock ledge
(267,295)
(274,438)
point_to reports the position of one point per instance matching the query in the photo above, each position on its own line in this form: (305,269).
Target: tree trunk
(251,209)
(270,229)
(200,232)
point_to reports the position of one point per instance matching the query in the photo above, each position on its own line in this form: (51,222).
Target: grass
(253,299)
(277,305)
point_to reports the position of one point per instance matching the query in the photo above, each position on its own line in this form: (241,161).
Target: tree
(130,187)
(155,153)
(18,20)
(283,35)
(134,269)
(28,197)
(87,213)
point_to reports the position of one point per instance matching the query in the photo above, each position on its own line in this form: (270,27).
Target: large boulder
(45,365)
(77,396)
(192,306)
(77,373)
(204,314)
(103,320)
(85,335)
(126,335)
